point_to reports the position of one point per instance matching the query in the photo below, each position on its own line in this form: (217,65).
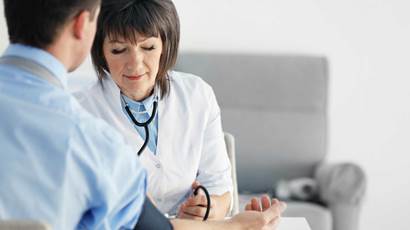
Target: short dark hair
(38,22)
(127,18)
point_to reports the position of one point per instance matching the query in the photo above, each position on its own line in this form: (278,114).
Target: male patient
(59,164)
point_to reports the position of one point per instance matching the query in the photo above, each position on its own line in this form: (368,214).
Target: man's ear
(81,22)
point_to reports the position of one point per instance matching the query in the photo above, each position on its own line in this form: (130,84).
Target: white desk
(293,223)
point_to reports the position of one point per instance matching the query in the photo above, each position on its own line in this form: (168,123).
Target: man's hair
(125,19)
(38,22)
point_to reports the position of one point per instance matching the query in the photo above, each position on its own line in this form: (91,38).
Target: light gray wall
(367,42)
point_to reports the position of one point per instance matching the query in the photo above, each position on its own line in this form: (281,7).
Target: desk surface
(293,223)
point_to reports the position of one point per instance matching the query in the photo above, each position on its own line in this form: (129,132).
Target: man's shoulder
(95,87)
(95,97)
(94,128)
(85,133)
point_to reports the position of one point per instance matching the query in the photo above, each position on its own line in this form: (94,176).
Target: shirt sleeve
(214,167)
(120,187)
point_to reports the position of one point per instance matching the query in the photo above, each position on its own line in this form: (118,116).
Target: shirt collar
(41,57)
(135,105)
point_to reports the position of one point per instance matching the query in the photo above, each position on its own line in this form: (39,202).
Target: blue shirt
(142,112)
(59,164)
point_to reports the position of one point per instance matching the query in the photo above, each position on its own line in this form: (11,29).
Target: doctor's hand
(195,206)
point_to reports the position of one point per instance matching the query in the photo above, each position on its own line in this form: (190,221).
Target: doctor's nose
(135,62)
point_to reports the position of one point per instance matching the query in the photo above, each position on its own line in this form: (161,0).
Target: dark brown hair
(38,22)
(127,18)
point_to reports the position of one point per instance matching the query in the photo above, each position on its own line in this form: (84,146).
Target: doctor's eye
(118,51)
(148,48)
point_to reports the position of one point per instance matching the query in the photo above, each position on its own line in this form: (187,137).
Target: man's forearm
(151,218)
(184,224)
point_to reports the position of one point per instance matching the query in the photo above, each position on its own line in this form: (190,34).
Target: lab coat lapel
(167,125)
(161,128)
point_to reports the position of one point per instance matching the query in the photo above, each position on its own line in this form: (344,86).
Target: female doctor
(134,50)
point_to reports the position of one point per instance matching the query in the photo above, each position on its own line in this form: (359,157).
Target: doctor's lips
(134,77)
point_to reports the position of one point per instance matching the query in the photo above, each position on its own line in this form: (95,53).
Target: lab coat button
(158,165)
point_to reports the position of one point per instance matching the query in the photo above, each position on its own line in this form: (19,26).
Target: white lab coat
(190,138)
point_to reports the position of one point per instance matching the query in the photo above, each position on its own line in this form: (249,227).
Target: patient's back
(59,164)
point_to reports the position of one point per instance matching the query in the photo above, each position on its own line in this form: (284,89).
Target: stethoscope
(142,124)
(146,130)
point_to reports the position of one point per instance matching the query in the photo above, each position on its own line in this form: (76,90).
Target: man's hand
(265,203)
(260,215)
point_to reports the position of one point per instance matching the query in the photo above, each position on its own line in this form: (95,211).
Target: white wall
(368,44)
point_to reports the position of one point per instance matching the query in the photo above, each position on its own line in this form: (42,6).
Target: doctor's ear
(81,24)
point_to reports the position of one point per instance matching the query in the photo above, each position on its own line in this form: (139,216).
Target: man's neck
(60,54)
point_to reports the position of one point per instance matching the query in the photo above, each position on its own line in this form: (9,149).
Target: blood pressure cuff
(151,218)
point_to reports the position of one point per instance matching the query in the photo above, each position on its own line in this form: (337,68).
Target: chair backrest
(230,148)
(275,106)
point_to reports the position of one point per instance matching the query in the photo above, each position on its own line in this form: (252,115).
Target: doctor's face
(133,66)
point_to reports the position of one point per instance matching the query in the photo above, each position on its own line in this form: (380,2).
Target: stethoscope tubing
(143,124)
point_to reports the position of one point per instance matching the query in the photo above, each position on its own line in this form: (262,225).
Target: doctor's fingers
(198,211)
(189,217)
(195,184)
(199,200)
(183,215)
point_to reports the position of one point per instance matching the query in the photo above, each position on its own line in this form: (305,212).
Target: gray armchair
(276,108)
